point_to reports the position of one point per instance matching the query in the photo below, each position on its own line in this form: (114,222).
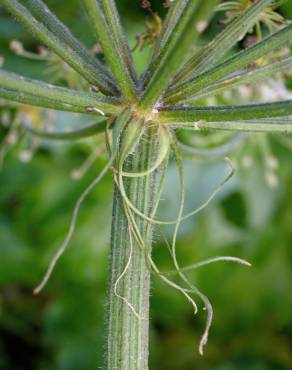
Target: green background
(63,328)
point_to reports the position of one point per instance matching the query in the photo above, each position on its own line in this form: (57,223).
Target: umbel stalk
(129,281)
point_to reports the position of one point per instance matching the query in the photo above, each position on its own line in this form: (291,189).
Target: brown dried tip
(146,4)
(167,3)
(43,51)
(94,89)
(249,41)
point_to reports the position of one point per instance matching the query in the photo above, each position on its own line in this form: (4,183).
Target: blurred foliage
(251,218)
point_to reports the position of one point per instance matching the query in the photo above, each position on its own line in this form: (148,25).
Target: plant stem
(127,346)
(251,76)
(238,113)
(43,14)
(232,64)
(77,134)
(60,45)
(110,48)
(43,94)
(223,42)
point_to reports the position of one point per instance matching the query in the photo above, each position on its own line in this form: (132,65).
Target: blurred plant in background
(270,18)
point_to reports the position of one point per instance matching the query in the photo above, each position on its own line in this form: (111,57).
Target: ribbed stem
(127,346)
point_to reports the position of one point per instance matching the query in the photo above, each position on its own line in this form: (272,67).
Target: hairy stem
(128,301)
(34,92)
(111,48)
(225,113)
(61,43)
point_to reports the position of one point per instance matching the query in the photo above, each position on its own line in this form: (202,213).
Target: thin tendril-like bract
(188,215)
(194,289)
(134,229)
(162,158)
(209,261)
(79,172)
(178,161)
(76,209)
(140,241)
(72,226)
(132,308)
(180,271)
(221,150)
(162,153)
(154,268)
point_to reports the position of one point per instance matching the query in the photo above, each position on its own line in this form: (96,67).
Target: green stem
(57,42)
(110,48)
(283,126)
(77,134)
(175,48)
(43,94)
(43,14)
(238,113)
(127,346)
(223,42)
(114,23)
(37,101)
(251,76)
(233,64)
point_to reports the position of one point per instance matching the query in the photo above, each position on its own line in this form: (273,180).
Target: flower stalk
(129,281)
